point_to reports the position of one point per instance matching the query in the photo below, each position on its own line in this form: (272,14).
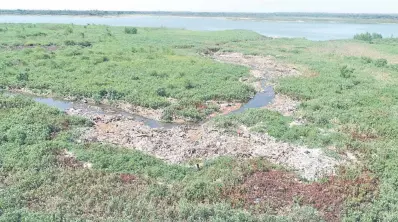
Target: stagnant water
(261,99)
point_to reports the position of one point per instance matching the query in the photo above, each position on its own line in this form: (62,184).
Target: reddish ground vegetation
(279,190)
(67,160)
(127,178)
(364,136)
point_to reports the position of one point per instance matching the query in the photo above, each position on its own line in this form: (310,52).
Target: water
(261,99)
(309,30)
(64,105)
(59,104)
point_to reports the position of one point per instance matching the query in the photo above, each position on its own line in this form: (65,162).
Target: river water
(298,29)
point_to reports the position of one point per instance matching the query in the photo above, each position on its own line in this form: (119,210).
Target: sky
(335,6)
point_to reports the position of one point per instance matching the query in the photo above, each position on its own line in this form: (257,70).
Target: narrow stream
(261,99)
(64,105)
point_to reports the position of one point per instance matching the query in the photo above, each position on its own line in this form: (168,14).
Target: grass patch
(92,62)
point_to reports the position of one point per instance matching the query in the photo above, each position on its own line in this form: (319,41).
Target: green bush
(130,30)
(23,76)
(161,92)
(70,43)
(368,37)
(346,72)
(381,62)
(366,60)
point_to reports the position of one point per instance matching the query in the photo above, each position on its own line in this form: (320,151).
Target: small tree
(130,30)
(381,62)
(346,72)
(367,36)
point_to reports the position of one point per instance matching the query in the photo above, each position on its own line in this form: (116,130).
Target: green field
(349,99)
(144,69)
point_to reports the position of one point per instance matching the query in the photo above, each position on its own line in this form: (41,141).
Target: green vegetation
(40,181)
(368,37)
(348,93)
(278,126)
(145,68)
(130,30)
(351,100)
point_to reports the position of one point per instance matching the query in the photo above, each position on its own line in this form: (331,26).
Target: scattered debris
(284,105)
(184,143)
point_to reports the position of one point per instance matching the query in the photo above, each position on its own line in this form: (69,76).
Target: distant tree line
(204,14)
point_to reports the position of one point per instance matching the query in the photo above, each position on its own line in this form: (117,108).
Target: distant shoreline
(283,17)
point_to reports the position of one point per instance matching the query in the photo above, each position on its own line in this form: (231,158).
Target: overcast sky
(355,6)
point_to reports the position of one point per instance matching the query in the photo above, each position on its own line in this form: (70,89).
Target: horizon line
(165,11)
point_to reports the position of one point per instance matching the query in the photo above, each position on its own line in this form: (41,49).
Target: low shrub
(366,60)
(130,30)
(346,72)
(381,62)
(368,37)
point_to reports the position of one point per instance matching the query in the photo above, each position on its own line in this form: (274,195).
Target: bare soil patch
(284,105)
(262,67)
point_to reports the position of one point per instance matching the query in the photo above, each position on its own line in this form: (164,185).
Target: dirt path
(185,143)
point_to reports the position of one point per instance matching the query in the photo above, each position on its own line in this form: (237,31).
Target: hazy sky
(359,6)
